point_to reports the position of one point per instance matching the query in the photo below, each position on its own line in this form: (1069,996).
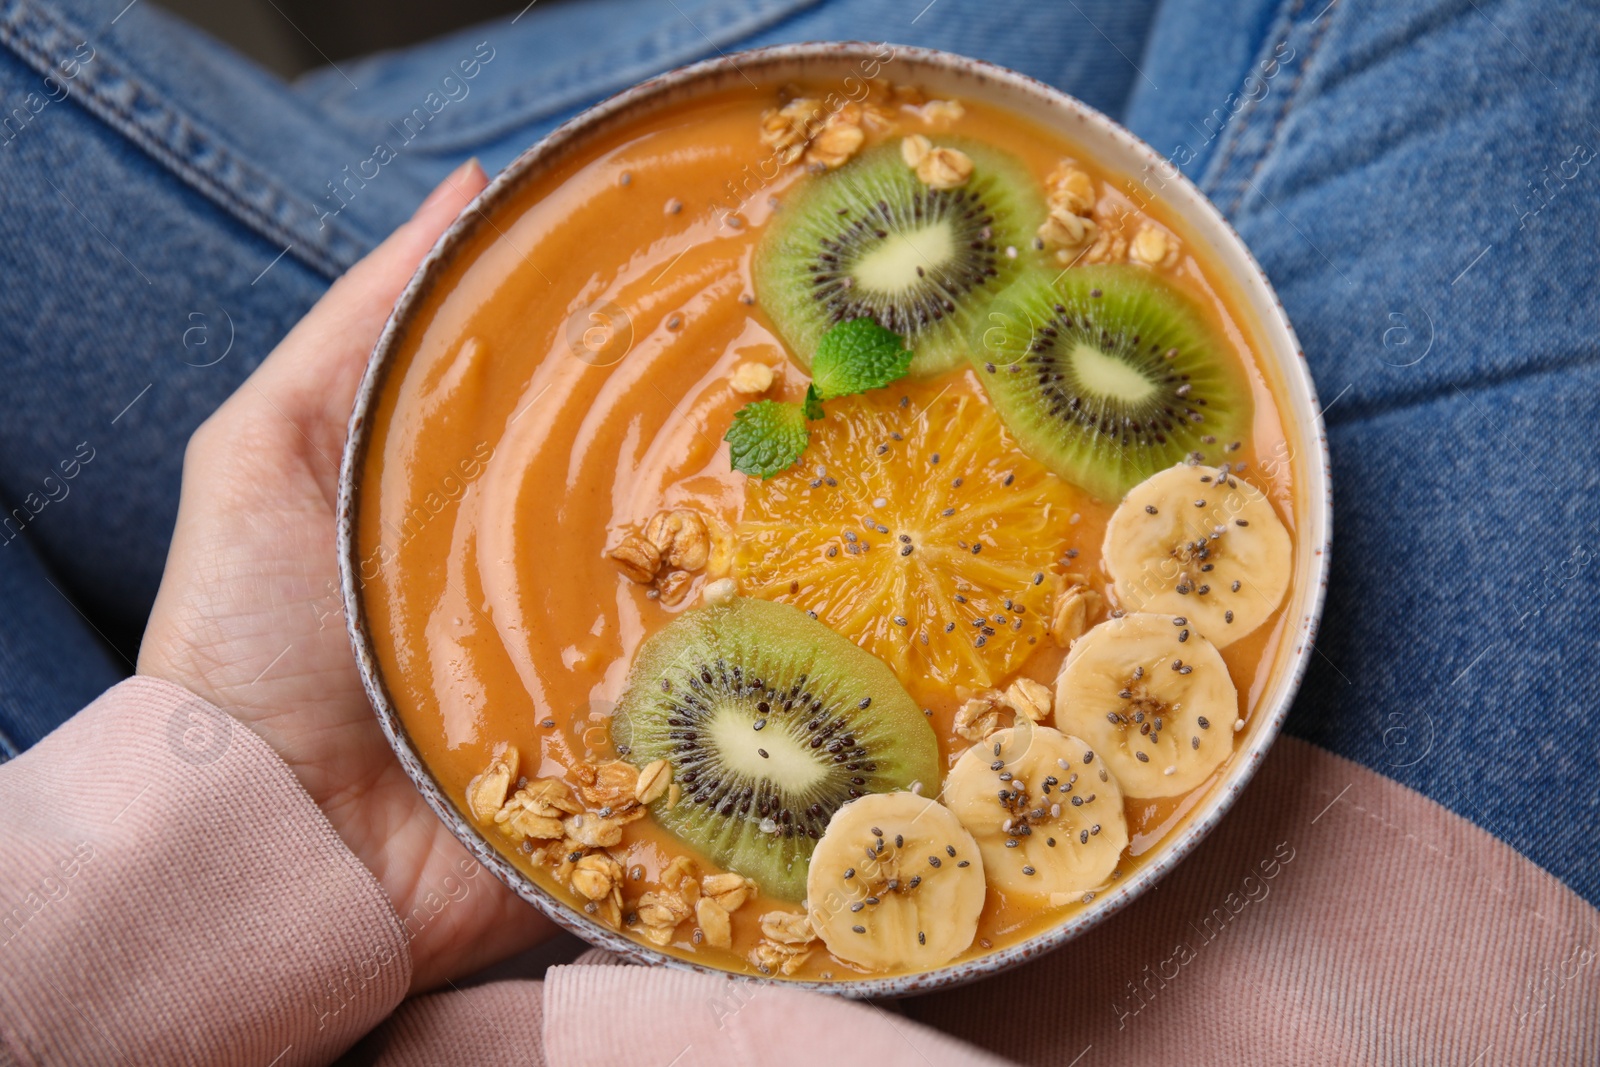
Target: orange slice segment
(914,526)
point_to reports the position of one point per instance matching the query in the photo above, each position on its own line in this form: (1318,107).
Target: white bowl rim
(1281,348)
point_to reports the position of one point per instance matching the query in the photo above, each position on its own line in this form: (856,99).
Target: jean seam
(1276,131)
(105,90)
(1236,131)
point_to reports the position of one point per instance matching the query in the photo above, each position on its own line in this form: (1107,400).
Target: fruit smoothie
(828,531)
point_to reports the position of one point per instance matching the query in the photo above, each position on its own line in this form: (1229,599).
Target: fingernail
(455,178)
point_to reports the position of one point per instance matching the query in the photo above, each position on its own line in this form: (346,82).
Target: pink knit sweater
(159,908)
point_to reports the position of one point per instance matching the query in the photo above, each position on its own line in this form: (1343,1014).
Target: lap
(172,210)
(1413,181)
(1410,179)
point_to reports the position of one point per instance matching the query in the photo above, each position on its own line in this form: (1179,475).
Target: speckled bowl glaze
(942,74)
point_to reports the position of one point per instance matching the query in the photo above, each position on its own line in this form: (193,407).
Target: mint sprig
(856,356)
(768,436)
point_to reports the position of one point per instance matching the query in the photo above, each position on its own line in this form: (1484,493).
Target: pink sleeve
(494,1024)
(174,896)
(589,1015)
(171,895)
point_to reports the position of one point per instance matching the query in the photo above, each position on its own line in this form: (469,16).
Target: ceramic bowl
(946,75)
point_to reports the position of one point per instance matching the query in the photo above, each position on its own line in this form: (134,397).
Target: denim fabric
(564,58)
(52,662)
(1419,184)
(1415,179)
(557,60)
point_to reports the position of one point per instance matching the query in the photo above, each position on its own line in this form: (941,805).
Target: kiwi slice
(772,722)
(869,240)
(1108,374)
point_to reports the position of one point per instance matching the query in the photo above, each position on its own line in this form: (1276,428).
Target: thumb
(312,375)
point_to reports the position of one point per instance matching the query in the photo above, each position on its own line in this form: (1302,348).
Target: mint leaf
(766,437)
(813,403)
(856,356)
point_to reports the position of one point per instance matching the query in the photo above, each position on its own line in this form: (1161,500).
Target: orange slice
(914,526)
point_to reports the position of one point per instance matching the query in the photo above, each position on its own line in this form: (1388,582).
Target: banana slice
(896,883)
(1203,543)
(1047,816)
(1154,700)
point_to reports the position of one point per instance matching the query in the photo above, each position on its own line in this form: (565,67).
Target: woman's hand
(247,616)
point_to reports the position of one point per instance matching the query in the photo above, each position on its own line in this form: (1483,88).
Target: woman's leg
(553,61)
(172,211)
(1409,180)
(1417,183)
(52,662)
(160,237)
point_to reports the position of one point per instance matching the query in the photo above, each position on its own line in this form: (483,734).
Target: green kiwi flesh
(871,240)
(1107,375)
(771,722)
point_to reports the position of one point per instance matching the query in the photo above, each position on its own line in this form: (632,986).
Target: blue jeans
(1414,179)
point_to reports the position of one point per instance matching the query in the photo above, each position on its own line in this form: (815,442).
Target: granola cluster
(826,133)
(1154,247)
(665,555)
(710,901)
(660,911)
(1110,243)
(597,876)
(1030,699)
(1081,229)
(983,714)
(1076,608)
(809,128)
(1070,227)
(565,830)
(537,812)
(570,831)
(937,168)
(787,941)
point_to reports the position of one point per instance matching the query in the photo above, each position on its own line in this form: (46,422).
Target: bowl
(1119,151)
